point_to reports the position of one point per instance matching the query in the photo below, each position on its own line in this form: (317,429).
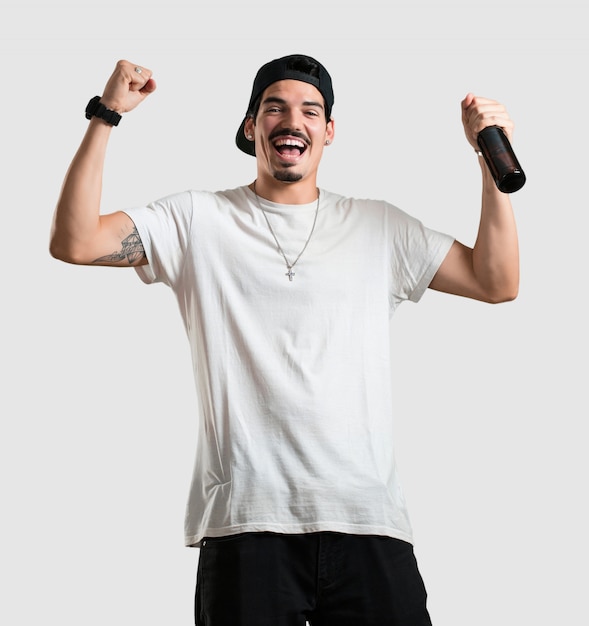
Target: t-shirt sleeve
(416,255)
(164,228)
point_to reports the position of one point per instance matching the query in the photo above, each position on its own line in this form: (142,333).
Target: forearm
(77,214)
(495,254)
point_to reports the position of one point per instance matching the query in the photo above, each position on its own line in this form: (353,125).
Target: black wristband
(95,108)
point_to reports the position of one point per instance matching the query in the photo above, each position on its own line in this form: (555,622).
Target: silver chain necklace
(289,265)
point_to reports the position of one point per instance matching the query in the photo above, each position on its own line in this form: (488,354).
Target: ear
(249,128)
(330,131)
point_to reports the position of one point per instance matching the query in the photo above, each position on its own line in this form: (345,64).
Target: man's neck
(300,192)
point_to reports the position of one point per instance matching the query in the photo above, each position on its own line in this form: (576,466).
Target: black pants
(327,579)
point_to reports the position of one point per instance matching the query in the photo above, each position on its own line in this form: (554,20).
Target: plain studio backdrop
(97,428)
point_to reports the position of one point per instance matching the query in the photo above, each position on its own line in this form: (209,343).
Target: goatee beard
(287,177)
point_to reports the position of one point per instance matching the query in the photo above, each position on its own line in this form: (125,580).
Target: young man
(286,293)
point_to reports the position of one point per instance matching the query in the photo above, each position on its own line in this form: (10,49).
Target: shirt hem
(195,541)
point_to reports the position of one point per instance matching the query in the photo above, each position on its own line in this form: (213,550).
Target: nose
(293,119)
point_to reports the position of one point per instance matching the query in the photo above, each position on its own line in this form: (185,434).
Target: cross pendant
(290,273)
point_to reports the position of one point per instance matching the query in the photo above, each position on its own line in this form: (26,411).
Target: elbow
(57,251)
(500,287)
(502,299)
(63,252)
(505,294)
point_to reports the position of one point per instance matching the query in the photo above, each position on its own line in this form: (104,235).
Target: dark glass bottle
(501,160)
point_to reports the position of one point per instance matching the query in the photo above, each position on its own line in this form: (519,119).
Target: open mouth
(290,146)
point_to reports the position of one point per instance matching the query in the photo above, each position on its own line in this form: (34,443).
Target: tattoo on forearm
(131,250)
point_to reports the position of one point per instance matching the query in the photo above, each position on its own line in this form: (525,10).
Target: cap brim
(243,143)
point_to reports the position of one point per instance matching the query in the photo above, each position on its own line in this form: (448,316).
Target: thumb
(149,87)
(468,99)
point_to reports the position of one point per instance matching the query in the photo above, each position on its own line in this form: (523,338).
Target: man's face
(290,130)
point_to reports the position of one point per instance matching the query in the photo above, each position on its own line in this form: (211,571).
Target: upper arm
(114,241)
(489,276)
(118,242)
(456,274)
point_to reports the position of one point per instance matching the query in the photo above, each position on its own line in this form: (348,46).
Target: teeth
(290,142)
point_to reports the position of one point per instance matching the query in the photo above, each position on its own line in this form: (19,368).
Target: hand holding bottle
(488,129)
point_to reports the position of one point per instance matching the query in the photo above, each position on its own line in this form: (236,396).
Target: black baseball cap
(288,67)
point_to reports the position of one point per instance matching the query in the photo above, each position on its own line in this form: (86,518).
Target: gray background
(96,439)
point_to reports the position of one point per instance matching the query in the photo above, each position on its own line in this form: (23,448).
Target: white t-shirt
(295,406)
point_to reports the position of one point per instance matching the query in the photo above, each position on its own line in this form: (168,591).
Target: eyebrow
(307,103)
